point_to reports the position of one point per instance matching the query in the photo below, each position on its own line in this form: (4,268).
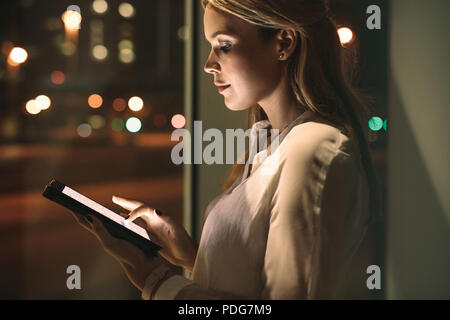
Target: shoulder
(318,157)
(316,143)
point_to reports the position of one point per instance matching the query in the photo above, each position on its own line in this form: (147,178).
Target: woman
(290,234)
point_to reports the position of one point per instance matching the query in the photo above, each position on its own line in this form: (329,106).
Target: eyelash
(225,48)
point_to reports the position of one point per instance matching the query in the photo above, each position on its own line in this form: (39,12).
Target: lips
(222,88)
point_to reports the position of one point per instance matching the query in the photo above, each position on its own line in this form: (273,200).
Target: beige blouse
(288,228)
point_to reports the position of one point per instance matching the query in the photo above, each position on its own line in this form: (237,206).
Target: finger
(121,250)
(126,203)
(140,222)
(143,212)
(100,231)
(82,220)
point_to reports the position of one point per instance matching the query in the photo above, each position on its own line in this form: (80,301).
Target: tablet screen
(105,211)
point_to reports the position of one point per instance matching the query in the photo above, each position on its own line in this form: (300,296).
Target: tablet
(116,224)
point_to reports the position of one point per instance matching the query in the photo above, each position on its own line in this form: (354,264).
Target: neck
(281,106)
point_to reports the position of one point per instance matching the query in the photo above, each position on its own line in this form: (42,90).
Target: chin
(236,106)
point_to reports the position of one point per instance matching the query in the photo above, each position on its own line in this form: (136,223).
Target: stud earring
(281,56)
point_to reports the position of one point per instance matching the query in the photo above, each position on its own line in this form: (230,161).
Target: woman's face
(246,68)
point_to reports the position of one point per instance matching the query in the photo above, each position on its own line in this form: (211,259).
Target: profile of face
(245,66)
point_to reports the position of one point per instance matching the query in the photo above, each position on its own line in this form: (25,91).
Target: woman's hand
(136,264)
(177,246)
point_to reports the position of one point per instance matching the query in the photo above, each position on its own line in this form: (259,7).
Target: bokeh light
(126,10)
(126,55)
(385,125)
(17,56)
(119,104)
(95,101)
(68,48)
(43,102)
(72,19)
(84,130)
(10,128)
(117,124)
(99,52)
(135,104)
(100,6)
(126,44)
(345,35)
(133,124)
(178,121)
(57,77)
(32,107)
(96,121)
(375,123)
(183,33)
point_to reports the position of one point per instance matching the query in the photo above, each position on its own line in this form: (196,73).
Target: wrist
(167,275)
(189,265)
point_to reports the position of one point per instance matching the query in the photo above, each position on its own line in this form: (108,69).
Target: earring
(281,56)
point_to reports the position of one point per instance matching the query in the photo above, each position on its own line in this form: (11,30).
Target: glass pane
(87,95)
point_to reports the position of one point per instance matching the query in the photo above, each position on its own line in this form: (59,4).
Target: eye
(225,47)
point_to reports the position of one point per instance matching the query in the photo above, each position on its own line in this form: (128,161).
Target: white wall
(418,222)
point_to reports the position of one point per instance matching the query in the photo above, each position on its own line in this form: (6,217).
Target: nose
(212,65)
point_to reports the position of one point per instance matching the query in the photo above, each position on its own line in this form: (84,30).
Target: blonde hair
(321,72)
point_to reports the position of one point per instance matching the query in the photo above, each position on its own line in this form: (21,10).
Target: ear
(286,43)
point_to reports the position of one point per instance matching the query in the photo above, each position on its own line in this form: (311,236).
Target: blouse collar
(265,124)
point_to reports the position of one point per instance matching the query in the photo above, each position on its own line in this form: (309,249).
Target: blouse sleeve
(303,256)
(178,287)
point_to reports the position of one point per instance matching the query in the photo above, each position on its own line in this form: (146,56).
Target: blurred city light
(126,55)
(100,6)
(10,128)
(345,35)
(99,52)
(17,56)
(375,123)
(117,124)
(385,125)
(126,10)
(126,44)
(43,102)
(57,77)
(133,124)
(135,104)
(119,104)
(178,121)
(68,48)
(84,130)
(32,107)
(97,121)
(72,19)
(95,101)
(183,33)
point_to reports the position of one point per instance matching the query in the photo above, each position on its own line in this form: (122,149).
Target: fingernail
(159,213)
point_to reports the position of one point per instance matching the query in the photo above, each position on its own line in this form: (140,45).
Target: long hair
(321,72)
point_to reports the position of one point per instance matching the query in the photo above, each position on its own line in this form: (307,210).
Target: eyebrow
(224,32)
